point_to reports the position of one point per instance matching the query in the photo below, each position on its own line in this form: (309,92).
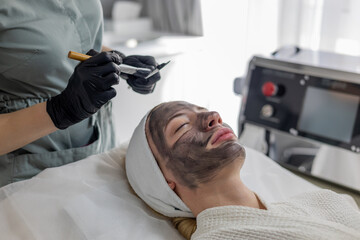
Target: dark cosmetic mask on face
(188,158)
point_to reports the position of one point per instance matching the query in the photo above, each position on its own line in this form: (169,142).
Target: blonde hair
(185,226)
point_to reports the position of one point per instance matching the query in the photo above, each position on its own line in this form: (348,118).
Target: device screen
(329,114)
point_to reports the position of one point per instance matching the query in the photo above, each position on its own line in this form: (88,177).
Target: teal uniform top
(35,37)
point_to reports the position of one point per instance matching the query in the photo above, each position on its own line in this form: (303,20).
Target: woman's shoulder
(325,196)
(323,204)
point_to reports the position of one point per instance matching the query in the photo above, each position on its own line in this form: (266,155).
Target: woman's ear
(171,184)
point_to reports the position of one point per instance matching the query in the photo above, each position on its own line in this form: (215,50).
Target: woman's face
(193,143)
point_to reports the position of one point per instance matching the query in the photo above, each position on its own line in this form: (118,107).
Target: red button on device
(269,89)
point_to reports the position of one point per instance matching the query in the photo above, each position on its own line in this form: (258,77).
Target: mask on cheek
(192,163)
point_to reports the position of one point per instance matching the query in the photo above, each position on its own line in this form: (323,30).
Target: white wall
(235,30)
(328,25)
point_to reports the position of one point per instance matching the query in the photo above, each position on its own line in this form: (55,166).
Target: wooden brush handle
(78,56)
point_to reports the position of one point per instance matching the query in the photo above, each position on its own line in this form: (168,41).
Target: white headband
(147,180)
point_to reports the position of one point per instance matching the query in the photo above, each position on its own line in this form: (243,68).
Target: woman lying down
(183,161)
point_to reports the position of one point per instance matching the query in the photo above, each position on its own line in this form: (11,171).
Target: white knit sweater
(321,214)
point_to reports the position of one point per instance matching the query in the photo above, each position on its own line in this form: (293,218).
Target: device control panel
(293,100)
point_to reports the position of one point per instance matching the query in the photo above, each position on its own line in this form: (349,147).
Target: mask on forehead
(188,159)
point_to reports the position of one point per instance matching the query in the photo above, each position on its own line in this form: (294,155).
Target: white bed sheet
(91,199)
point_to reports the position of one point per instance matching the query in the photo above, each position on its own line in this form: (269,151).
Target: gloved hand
(88,89)
(137,81)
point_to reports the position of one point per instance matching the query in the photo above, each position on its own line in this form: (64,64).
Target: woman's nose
(213,120)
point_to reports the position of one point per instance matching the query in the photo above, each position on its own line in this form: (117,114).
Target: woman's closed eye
(180,126)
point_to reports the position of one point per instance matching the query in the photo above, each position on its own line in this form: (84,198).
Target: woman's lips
(221,135)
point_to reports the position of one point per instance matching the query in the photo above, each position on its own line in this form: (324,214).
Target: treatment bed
(91,199)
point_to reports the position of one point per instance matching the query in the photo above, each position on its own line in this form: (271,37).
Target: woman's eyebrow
(172,117)
(201,108)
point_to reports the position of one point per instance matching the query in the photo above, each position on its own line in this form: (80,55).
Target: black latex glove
(137,81)
(88,89)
